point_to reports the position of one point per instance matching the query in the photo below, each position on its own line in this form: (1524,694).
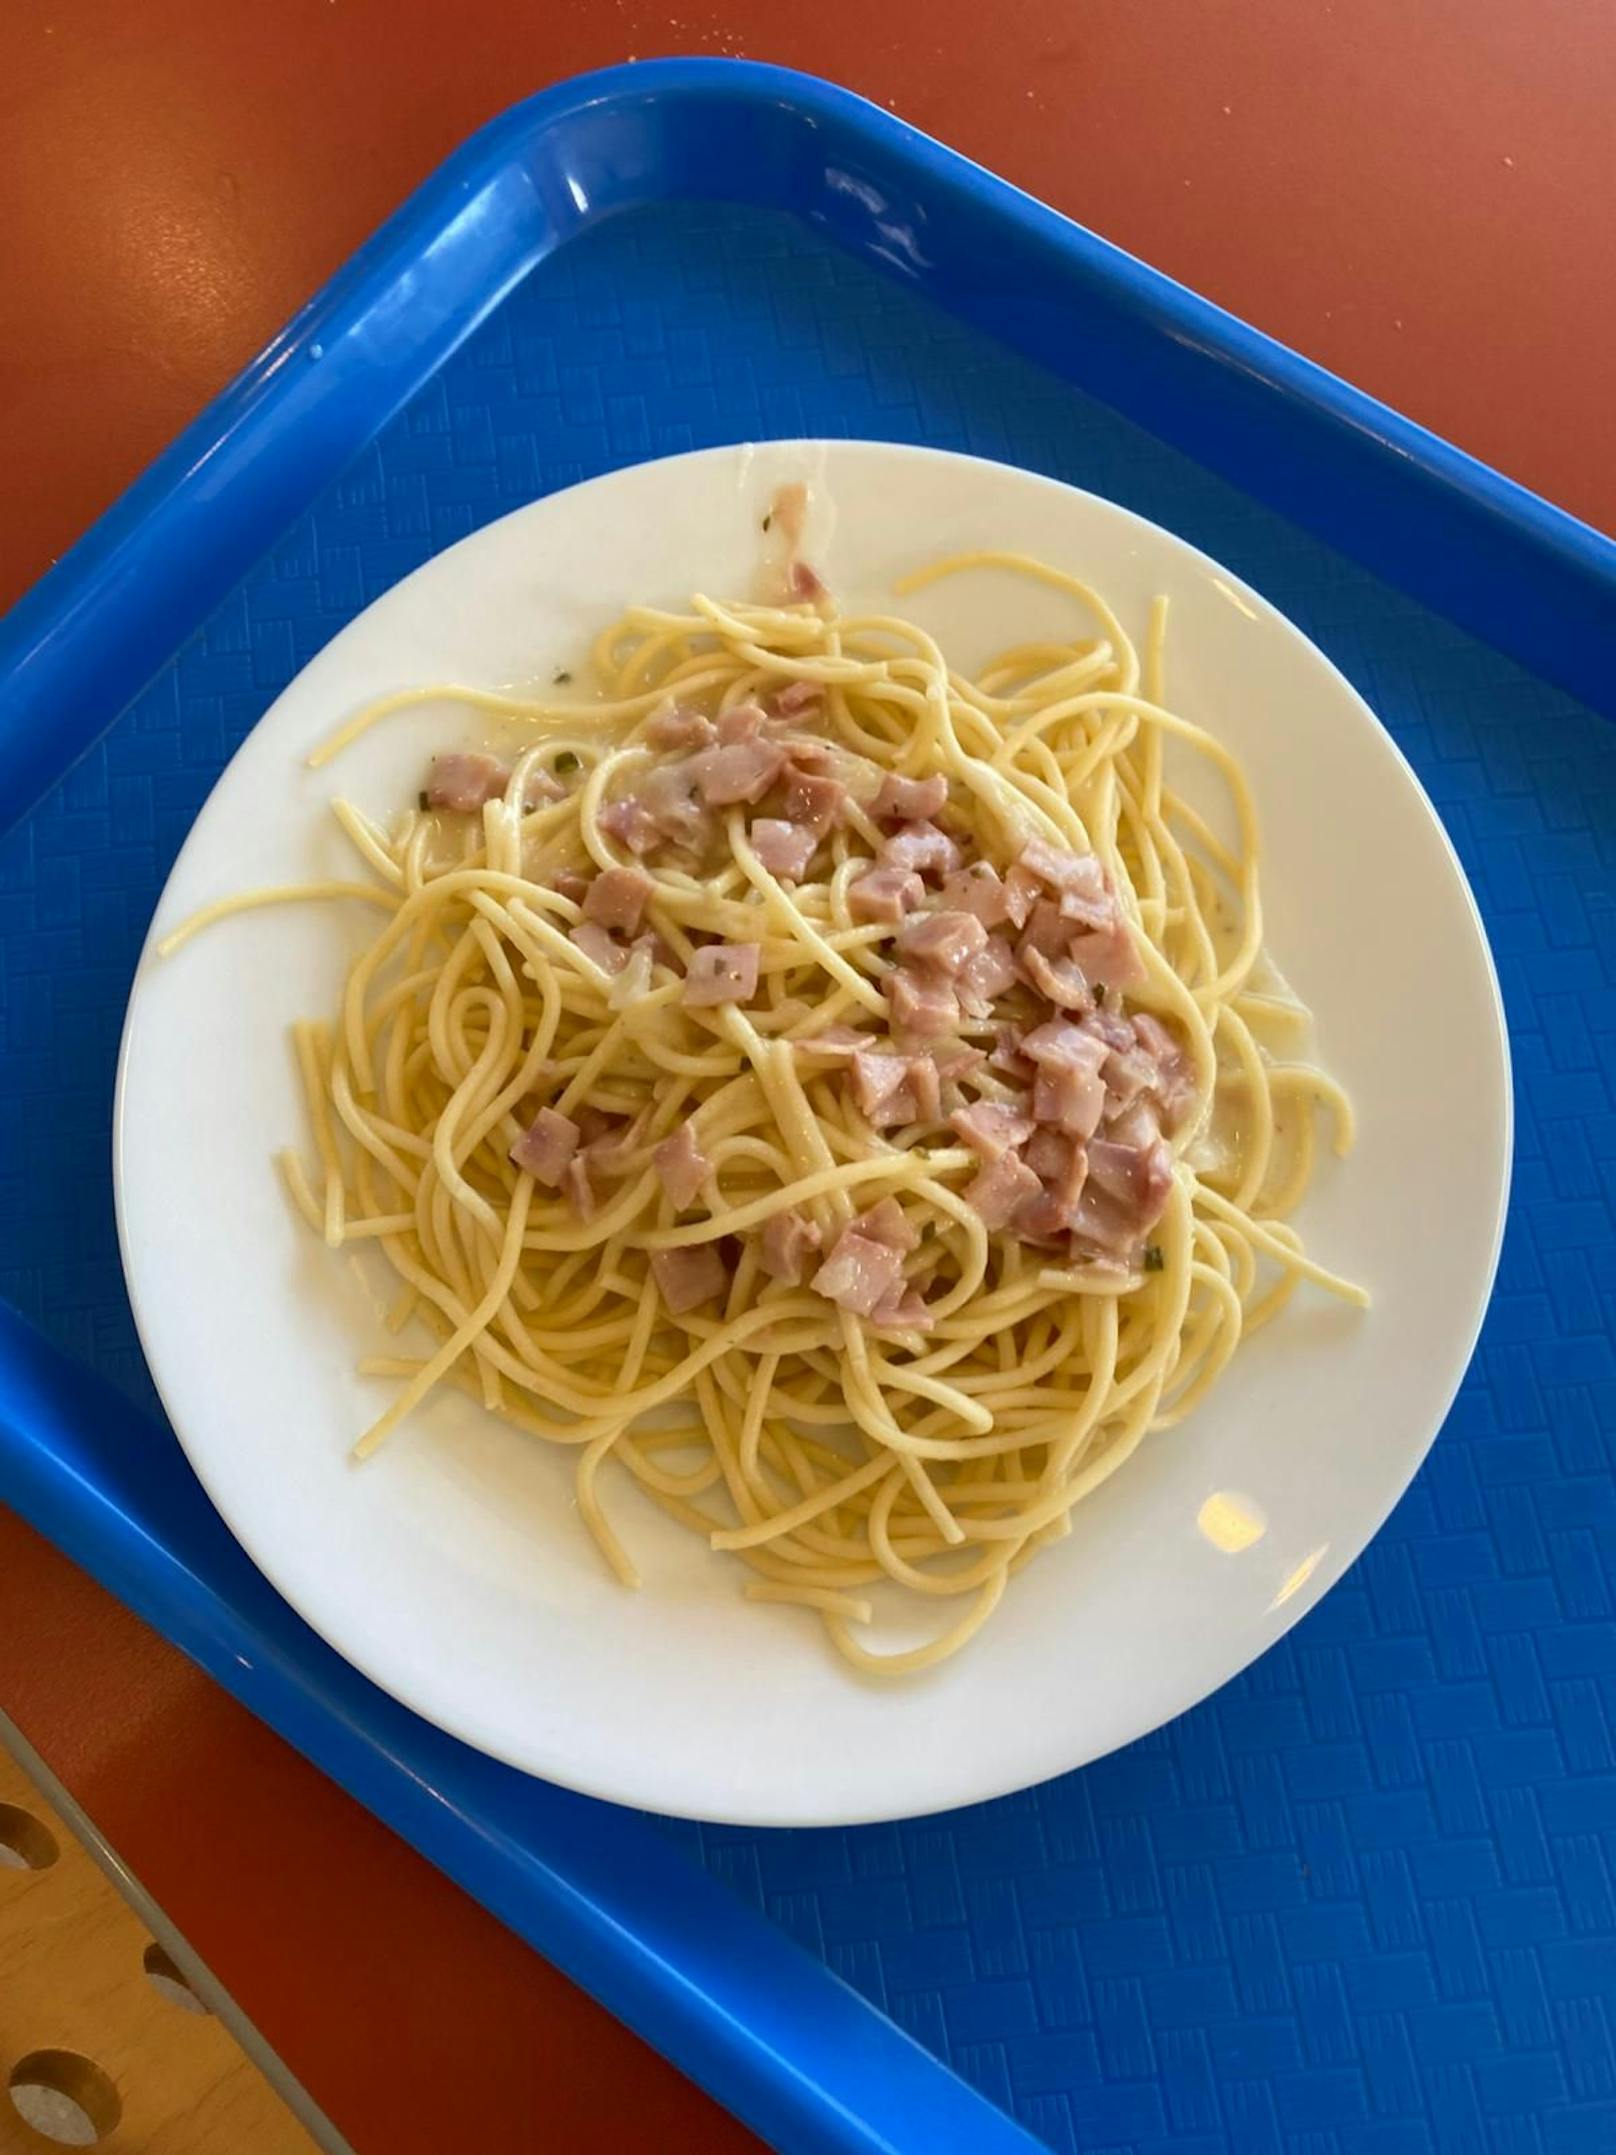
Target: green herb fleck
(563,679)
(767,521)
(566,763)
(1153,1257)
(422,803)
(1099,994)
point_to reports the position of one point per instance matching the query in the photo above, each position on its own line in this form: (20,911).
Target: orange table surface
(1417,193)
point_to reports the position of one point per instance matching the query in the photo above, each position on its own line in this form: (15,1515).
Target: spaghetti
(642,1093)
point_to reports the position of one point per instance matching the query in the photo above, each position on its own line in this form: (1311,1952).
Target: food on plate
(851,1097)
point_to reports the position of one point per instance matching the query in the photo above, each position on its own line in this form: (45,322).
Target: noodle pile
(828,1454)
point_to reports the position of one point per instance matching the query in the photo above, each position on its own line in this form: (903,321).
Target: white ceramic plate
(453,1568)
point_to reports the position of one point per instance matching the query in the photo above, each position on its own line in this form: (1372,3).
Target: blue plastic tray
(1362,1902)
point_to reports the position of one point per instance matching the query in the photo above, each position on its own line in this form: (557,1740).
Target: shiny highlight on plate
(1235,600)
(1300,1576)
(1231,1522)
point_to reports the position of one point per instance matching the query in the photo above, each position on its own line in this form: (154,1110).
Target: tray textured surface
(1360,1903)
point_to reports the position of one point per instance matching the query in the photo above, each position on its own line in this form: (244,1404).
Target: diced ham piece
(1129,1072)
(859,1272)
(991,972)
(568,883)
(1151,1033)
(632,823)
(1007,1055)
(923,1007)
(812,802)
(837,1043)
(1022,891)
(1138,1124)
(876,1078)
(1085,878)
(1086,910)
(922,847)
(904,1108)
(737,771)
(806,583)
(1062,1044)
(721,973)
(682,1166)
(592,939)
(1063,1169)
(910,800)
(1103,1224)
(942,940)
(884,894)
(1072,1099)
(1063,870)
(462,783)
(887,1222)
(541,787)
(739,723)
(1047,930)
(897,1111)
(785,1244)
(1138,1176)
(617,898)
(891,1090)
(1060,979)
(991,1127)
(784,849)
(1112,1027)
(1109,955)
(925,1089)
(679,727)
(808,755)
(669,790)
(577,1188)
(1047,1153)
(1001,1188)
(687,1277)
(917,1096)
(1175,1073)
(902,1309)
(978,890)
(1044,1218)
(798,696)
(546,1145)
(1070,1185)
